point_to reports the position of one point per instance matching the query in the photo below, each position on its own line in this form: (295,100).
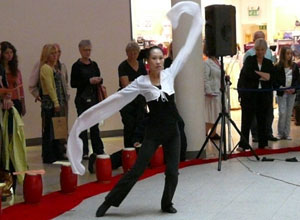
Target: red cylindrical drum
(128,158)
(103,168)
(1,188)
(32,188)
(158,158)
(68,180)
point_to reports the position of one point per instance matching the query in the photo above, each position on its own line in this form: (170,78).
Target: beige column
(189,87)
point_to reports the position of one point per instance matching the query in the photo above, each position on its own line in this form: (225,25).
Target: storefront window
(150,26)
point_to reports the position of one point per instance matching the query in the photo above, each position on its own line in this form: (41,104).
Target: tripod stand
(223,115)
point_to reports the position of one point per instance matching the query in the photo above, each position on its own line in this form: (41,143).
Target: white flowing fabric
(142,85)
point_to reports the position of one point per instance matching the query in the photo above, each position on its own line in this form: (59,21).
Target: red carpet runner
(56,203)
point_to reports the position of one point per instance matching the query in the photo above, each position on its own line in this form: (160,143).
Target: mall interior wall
(30,24)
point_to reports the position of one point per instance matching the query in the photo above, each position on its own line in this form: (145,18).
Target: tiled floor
(51,178)
(235,193)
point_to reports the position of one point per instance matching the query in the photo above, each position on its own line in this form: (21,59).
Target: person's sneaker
(242,149)
(289,138)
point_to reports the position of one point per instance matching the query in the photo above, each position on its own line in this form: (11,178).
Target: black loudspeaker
(220,30)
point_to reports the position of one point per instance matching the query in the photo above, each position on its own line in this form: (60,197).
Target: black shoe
(170,209)
(102,209)
(272,138)
(92,160)
(216,137)
(49,161)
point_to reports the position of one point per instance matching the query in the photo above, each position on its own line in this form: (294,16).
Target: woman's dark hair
(150,50)
(206,52)
(282,57)
(13,64)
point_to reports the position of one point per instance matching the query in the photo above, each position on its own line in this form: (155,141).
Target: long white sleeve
(174,14)
(92,116)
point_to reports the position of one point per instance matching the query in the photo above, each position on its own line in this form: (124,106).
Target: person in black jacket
(133,113)
(85,76)
(287,76)
(256,74)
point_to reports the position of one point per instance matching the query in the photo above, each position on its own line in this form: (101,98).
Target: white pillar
(189,87)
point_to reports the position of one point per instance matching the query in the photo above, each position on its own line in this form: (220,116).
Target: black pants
(183,140)
(97,143)
(171,147)
(256,105)
(132,114)
(269,118)
(52,149)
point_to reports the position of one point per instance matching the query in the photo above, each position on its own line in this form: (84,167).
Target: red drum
(128,158)
(158,158)
(1,188)
(32,188)
(68,180)
(103,168)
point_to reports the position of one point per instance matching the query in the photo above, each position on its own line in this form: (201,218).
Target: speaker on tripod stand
(220,40)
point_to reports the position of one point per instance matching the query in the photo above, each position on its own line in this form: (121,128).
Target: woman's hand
(38,98)
(57,108)
(263,75)
(209,95)
(95,80)
(289,91)
(7,103)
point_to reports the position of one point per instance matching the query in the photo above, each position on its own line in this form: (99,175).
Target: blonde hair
(132,46)
(46,51)
(261,43)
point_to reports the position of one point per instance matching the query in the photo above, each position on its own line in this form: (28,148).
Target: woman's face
(85,52)
(132,54)
(52,58)
(156,60)
(8,54)
(260,52)
(288,55)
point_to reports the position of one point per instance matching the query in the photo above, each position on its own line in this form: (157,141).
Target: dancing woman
(158,89)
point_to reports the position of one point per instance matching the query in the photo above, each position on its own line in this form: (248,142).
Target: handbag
(60,127)
(102,93)
(6,177)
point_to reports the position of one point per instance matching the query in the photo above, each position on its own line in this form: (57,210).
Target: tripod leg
(222,141)
(243,138)
(209,135)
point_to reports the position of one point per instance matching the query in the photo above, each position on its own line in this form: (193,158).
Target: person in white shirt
(158,89)
(287,76)
(212,84)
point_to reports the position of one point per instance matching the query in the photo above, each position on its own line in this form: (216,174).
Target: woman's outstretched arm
(92,116)
(174,14)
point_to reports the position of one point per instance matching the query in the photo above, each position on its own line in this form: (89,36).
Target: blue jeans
(286,105)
